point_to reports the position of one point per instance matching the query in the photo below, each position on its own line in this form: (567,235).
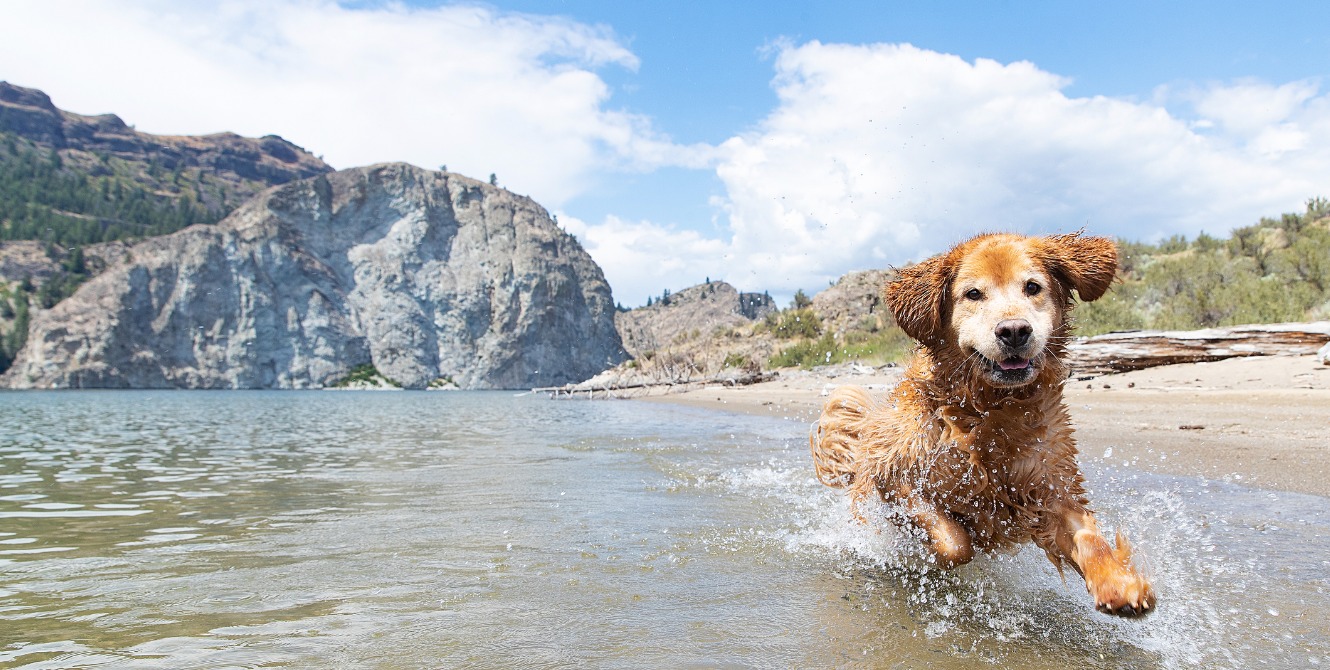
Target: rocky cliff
(854,302)
(709,330)
(425,275)
(697,311)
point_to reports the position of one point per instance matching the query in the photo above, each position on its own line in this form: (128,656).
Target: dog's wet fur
(975,445)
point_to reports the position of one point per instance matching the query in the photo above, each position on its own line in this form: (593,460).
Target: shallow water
(305,529)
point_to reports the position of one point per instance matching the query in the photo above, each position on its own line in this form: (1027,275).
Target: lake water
(351,530)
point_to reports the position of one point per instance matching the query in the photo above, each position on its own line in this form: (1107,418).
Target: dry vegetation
(1275,271)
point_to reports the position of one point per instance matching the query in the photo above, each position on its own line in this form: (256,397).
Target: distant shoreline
(1261,421)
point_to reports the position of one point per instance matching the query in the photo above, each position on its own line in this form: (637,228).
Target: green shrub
(733,360)
(365,373)
(889,345)
(1113,313)
(794,323)
(1276,270)
(806,353)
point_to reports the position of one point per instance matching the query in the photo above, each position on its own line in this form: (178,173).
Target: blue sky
(776,145)
(706,69)
(704,73)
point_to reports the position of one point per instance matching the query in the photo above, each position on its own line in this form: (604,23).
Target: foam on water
(1207,614)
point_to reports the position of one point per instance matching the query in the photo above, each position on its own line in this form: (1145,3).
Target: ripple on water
(483,530)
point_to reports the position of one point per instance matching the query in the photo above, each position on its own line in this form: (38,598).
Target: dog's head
(996,303)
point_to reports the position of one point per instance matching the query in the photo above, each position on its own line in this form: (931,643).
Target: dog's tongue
(1014,364)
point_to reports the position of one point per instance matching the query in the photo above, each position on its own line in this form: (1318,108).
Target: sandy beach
(1259,421)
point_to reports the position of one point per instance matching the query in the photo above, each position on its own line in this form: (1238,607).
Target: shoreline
(1261,421)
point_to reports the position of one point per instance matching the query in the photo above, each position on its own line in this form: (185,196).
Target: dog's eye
(1031,288)
(974,294)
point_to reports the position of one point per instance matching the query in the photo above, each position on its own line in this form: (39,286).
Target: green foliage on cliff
(14,306)
(43,197)
(796,322)
(888,345)
(365,375)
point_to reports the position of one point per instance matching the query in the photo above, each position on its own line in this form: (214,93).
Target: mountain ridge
(71,179)
(30,113)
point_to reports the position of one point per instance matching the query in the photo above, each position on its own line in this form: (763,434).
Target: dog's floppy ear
(917,297)
(1087,264)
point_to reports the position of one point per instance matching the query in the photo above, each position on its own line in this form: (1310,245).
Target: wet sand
(1261,421)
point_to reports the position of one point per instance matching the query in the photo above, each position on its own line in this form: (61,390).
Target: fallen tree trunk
(591,390)
(1137,350)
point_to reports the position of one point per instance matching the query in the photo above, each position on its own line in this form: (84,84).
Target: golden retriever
(974,445)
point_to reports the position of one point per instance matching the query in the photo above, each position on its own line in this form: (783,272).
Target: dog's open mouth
(1010,371)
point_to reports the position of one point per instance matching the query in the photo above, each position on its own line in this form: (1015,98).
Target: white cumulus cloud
(641,259)
(463,85)
(874,154)
(879,154)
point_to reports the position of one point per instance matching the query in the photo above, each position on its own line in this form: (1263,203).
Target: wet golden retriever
(974,445)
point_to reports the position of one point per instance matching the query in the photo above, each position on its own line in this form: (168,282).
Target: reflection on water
(180,529)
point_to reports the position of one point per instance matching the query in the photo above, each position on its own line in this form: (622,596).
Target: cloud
(873,155)
(641,259)
(880,154)
(467,86)
(1248,108)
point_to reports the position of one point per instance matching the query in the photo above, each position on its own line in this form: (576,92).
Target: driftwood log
(1140,349)
(592,389)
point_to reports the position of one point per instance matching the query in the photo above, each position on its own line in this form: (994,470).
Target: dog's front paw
(1126,594)
(1116,585)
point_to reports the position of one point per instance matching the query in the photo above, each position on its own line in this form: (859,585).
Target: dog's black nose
(1014,332)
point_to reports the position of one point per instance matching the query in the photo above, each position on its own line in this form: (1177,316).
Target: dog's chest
(1011,457)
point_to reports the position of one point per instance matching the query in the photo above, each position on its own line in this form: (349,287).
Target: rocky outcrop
(696,312)
(424,275)
(854,302)
(237,167)
(25,260)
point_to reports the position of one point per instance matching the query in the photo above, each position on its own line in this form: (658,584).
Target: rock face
(697,311)
(426,275)
(854,302)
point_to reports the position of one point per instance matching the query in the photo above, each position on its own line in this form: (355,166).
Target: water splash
(1206,617)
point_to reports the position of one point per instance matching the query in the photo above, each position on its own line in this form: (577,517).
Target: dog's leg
(949,541)
(1115,584)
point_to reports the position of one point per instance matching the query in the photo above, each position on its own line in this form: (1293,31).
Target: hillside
(70,179)
(1276,270)
(696,312)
